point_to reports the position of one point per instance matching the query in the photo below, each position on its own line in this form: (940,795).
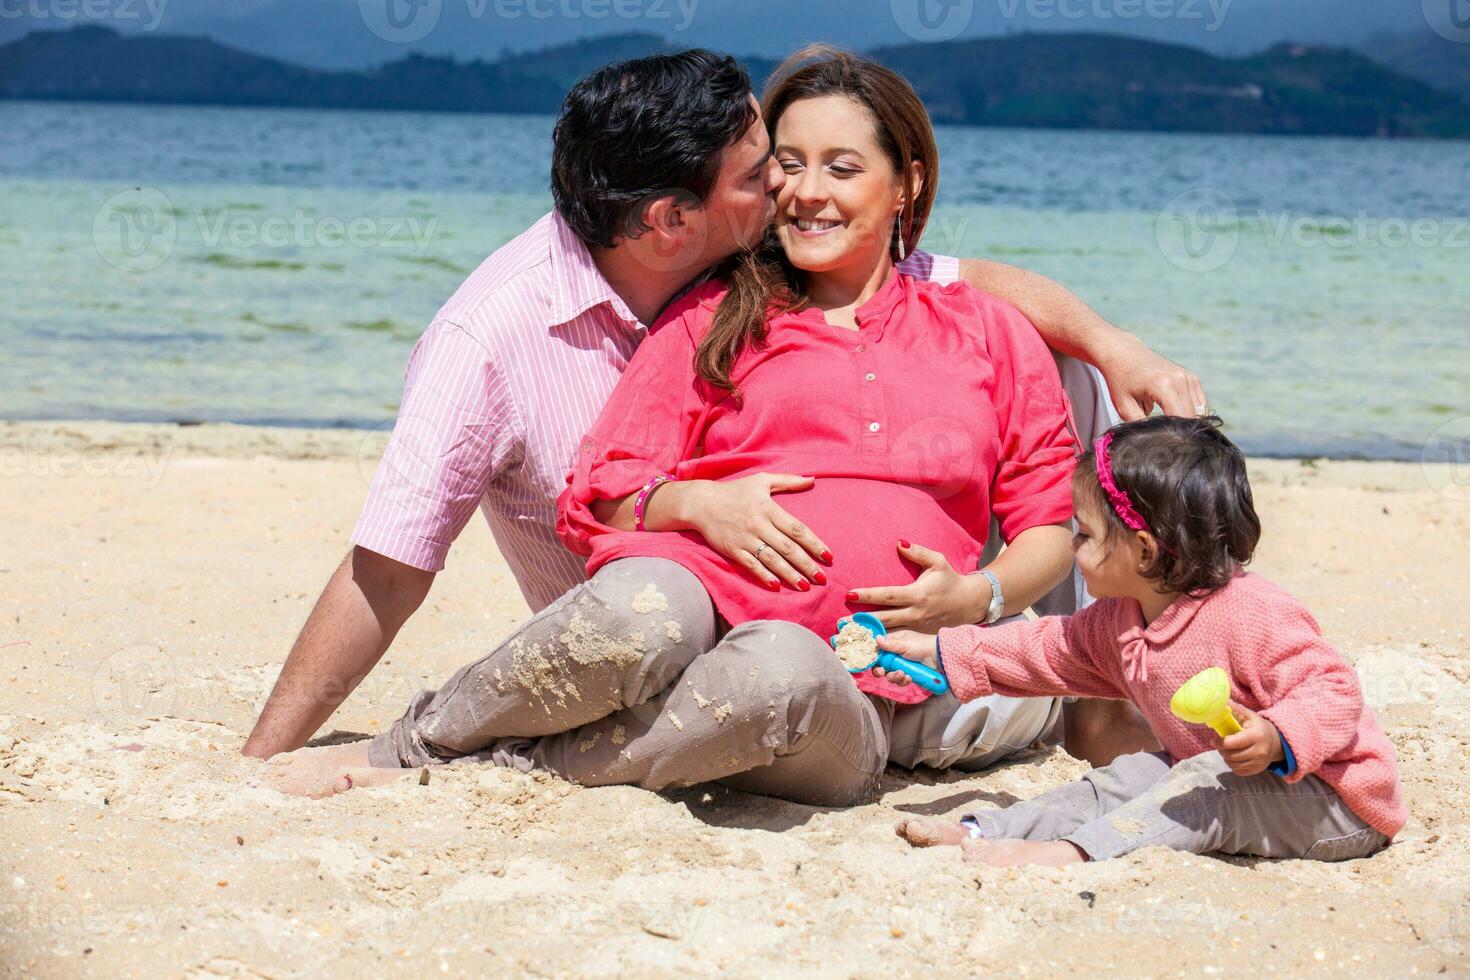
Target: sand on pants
(152,579)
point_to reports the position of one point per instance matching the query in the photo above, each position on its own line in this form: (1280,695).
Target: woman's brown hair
(762,281)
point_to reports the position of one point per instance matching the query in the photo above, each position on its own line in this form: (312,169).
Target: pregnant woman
(920,410)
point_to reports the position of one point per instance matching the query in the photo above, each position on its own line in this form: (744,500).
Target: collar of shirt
(1137,638)
(580,285)
(875,314)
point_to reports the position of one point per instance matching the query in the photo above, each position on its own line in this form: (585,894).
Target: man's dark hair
(641,129)
(1188,482)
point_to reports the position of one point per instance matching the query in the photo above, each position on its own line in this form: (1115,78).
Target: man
(662,169)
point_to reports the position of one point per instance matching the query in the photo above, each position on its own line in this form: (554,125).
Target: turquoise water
(275,266)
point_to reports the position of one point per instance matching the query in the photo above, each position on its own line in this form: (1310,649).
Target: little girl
(1166,521)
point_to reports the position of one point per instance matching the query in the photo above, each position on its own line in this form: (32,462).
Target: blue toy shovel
(926,677)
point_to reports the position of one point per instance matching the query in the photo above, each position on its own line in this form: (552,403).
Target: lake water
(276,266)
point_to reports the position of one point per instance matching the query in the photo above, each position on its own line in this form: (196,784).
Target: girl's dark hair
(762,281)
(1189,484)
(637,130)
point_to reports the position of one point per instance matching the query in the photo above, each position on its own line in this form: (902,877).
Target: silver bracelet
(997,598)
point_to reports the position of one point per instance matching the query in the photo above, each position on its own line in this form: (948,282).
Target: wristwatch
(997,598)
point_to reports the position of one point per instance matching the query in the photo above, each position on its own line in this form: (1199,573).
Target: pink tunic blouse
(943,406)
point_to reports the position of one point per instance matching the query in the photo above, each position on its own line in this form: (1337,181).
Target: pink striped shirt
(498,393)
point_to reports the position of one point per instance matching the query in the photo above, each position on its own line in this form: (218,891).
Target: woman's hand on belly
(939,597)
(740,520)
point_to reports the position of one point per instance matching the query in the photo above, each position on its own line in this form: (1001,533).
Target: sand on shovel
(856,647)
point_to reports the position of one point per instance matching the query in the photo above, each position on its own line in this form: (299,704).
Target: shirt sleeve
(1312,693)
(941,269)
(649,426)
(457,426)
(1032,482)
(1049,657)
(1287,766)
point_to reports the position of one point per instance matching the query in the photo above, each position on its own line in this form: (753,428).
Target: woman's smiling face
(842,193)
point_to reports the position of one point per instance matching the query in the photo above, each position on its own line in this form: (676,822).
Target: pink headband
(1122,506)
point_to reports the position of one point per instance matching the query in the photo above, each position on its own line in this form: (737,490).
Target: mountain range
(1055,80)
(1429,57)
(339,34)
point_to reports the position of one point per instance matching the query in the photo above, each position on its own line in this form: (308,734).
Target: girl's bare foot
(1016,853)
(326,771)
(930,831)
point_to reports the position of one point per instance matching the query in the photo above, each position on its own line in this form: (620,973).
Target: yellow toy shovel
(1205,700)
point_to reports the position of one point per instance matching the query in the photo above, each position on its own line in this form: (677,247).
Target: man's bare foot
(930,831)
(326,771)
(1016,853)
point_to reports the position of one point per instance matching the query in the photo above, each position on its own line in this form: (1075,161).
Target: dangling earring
(898,233)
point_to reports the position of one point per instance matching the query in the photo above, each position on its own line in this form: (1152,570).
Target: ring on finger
(757,552)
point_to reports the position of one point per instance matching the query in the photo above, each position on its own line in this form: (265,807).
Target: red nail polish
(821,578)
(774,585)
(827,557)
(852,597)
(803,585)
(904,544)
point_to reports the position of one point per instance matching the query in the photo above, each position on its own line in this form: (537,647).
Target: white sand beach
(152,579)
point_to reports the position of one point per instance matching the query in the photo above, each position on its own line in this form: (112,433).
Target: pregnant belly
(862,521)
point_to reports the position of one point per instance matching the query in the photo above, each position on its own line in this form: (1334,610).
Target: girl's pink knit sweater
(1269,644)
